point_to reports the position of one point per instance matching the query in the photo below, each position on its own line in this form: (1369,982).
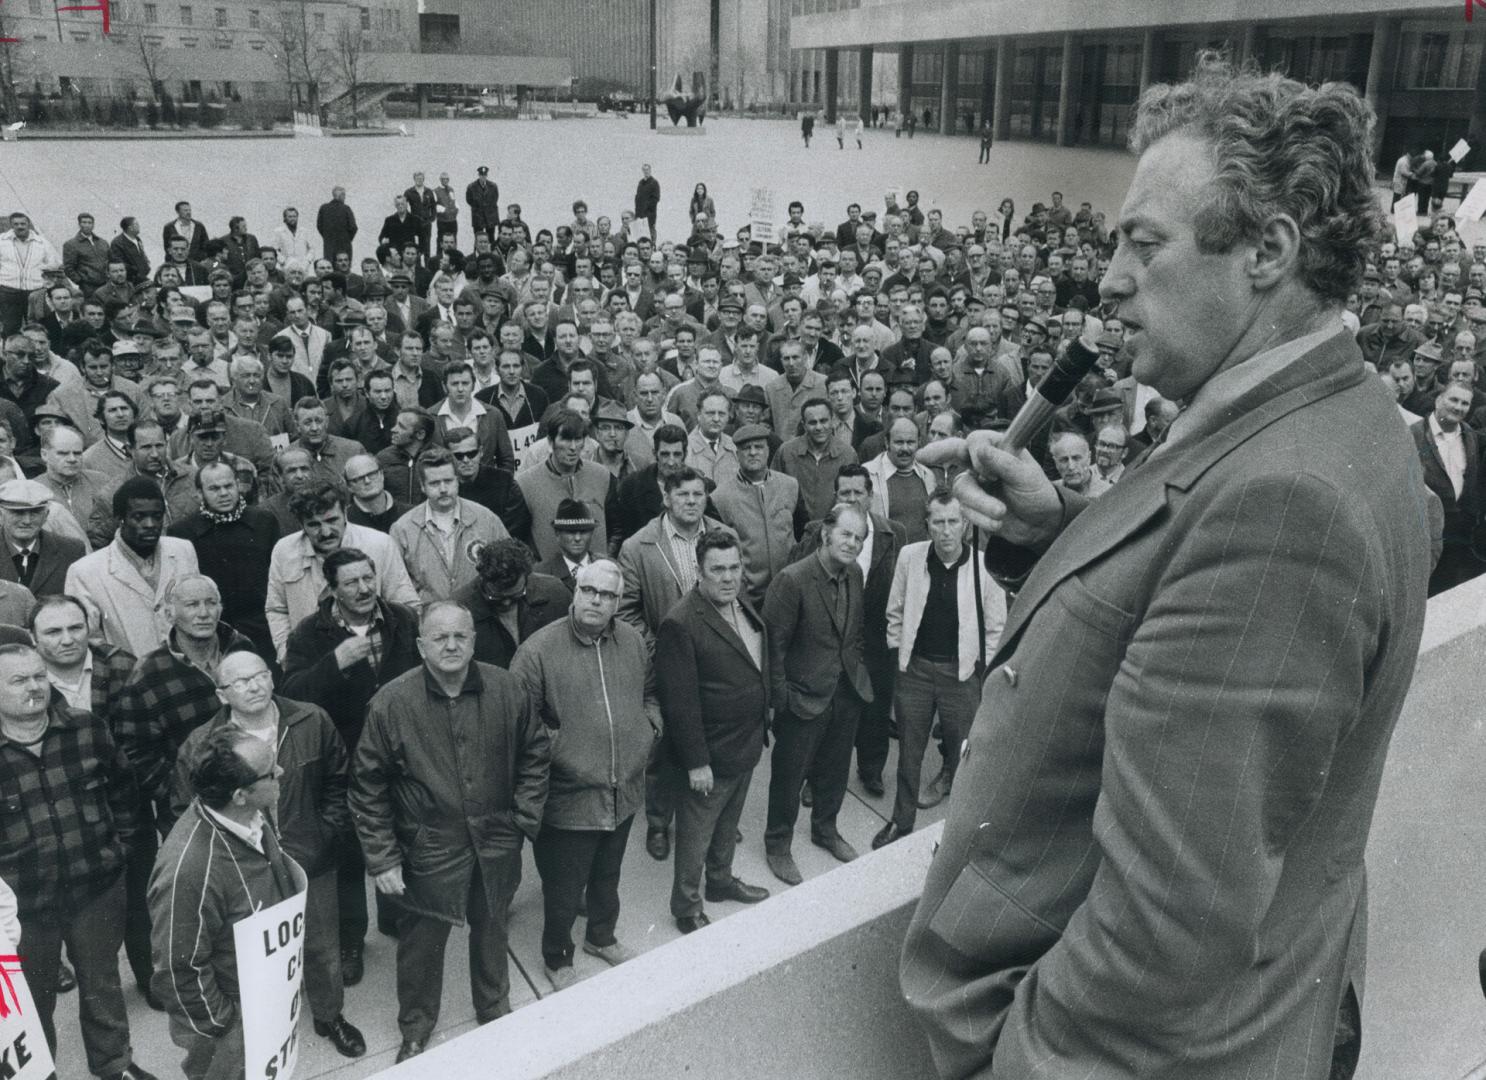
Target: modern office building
(1069,72)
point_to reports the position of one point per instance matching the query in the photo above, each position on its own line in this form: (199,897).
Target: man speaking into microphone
(1152,865)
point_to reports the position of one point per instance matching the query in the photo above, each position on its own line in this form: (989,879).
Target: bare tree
(351,61)
(301,51)
(11,65)
(130,27)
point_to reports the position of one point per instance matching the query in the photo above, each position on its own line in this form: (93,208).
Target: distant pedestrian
(647,199)
(985,142)
(807,127)
(840,132)
(858,132)
(912,123)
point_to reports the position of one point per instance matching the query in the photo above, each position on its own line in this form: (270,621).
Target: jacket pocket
(982,925)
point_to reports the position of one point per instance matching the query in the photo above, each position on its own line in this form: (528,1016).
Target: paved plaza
(542,165)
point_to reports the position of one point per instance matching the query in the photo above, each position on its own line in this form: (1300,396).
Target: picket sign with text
(761,217)
(1473,205)
(23,1050)
(270,970)
(522,440)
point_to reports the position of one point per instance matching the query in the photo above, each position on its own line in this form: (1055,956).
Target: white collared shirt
(1451,445)
(251,833)
(79,694)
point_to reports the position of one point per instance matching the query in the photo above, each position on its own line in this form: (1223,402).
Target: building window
(1438,61)
(151,14)
(253,18)
(219,17)
(366,18)
(972,67)
(319,21)
(928,65)
(186,15)
(34,7)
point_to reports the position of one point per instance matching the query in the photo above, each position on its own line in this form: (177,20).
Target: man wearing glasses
(372,504)
(450,777)
(312,772)
(589,676)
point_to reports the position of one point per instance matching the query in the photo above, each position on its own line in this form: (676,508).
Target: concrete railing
(807,984)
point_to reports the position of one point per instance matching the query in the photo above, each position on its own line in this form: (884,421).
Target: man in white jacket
(944,616)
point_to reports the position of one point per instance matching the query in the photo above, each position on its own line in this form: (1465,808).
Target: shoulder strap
(980,615)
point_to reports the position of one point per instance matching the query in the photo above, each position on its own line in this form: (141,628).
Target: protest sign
(23,1049)
(522,440)
(761,216)
(270,970)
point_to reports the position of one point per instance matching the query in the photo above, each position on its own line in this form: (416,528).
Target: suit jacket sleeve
(632,599)
(781,603)
(680,692)
(1215,756)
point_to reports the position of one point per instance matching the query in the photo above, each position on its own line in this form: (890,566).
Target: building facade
(1069,73)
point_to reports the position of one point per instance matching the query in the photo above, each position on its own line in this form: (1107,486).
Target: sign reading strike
(522,440)
(270,969)
(23,1051)
(761,216)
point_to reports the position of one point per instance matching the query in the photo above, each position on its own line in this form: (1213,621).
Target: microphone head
(1067,372)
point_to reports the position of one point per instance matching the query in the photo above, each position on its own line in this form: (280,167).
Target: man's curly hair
(1278,147)
(503,563)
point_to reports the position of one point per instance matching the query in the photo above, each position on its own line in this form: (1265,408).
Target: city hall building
(1069,71)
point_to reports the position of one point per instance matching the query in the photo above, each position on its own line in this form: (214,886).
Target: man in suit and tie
(39,559)
(1451,455)
(572,525)
(183,227)
(1152,864)
(712,674)
(424,204)
(817,686)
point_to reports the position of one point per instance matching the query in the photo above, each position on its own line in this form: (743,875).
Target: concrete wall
(805,985)
(935,20)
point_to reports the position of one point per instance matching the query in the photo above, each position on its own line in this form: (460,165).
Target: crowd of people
(391,565)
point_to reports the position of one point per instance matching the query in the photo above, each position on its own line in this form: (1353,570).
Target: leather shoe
(613,955)
(872,785)
(131,1072)
(561,978)
(658,844)
(783,867)
(410,1048)
(807,796)
(935,793)
(688,924)
(736,889)
(838,847)
(343,1036)
(353,966)
(887,834)
(66,978)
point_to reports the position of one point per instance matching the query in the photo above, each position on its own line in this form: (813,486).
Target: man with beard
(233,543)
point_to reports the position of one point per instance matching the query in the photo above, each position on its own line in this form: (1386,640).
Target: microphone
(1066,373)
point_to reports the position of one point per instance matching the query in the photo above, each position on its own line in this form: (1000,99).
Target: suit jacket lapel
(719,626)
(1141,495)
(827,590)
(124,572)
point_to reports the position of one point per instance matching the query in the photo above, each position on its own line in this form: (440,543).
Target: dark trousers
(93,933)
(136,904)
(424,229)
(872,729)
(322,948)
(924,688)
(208,1058)
(706,834)
(420,950)
(985,153)
(13,304)
(350,875)
(664,782)
(817,749)
(649,220)
(570,861)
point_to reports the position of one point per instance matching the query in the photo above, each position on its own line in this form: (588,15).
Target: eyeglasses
(272,774)
(606,596)
(242,684)
(464,455)
(364,477)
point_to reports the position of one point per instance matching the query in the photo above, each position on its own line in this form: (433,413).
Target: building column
(1001,104)
(833,72)
(1148,44)
(1382,37)
(1252,44)
(949,89)
(864,83)
(905,82)
(1065,91)
(422,93)
(987,86)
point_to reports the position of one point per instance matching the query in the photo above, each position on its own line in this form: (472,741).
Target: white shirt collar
(251,833)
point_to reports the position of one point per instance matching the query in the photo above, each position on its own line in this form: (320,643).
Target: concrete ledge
(805,985)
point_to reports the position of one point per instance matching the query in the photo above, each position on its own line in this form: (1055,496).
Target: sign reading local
(270,971)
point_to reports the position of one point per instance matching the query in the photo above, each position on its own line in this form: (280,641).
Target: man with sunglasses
(510,600)
(312,774)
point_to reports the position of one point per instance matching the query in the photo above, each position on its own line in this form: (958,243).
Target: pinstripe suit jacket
(1152,864)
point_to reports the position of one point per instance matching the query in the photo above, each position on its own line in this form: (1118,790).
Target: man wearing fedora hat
(611,428)
(573,526)
(33,556)
(762,506)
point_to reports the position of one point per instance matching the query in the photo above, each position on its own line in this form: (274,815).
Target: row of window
(386,19)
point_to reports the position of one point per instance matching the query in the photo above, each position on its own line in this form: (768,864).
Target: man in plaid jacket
(69,802)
